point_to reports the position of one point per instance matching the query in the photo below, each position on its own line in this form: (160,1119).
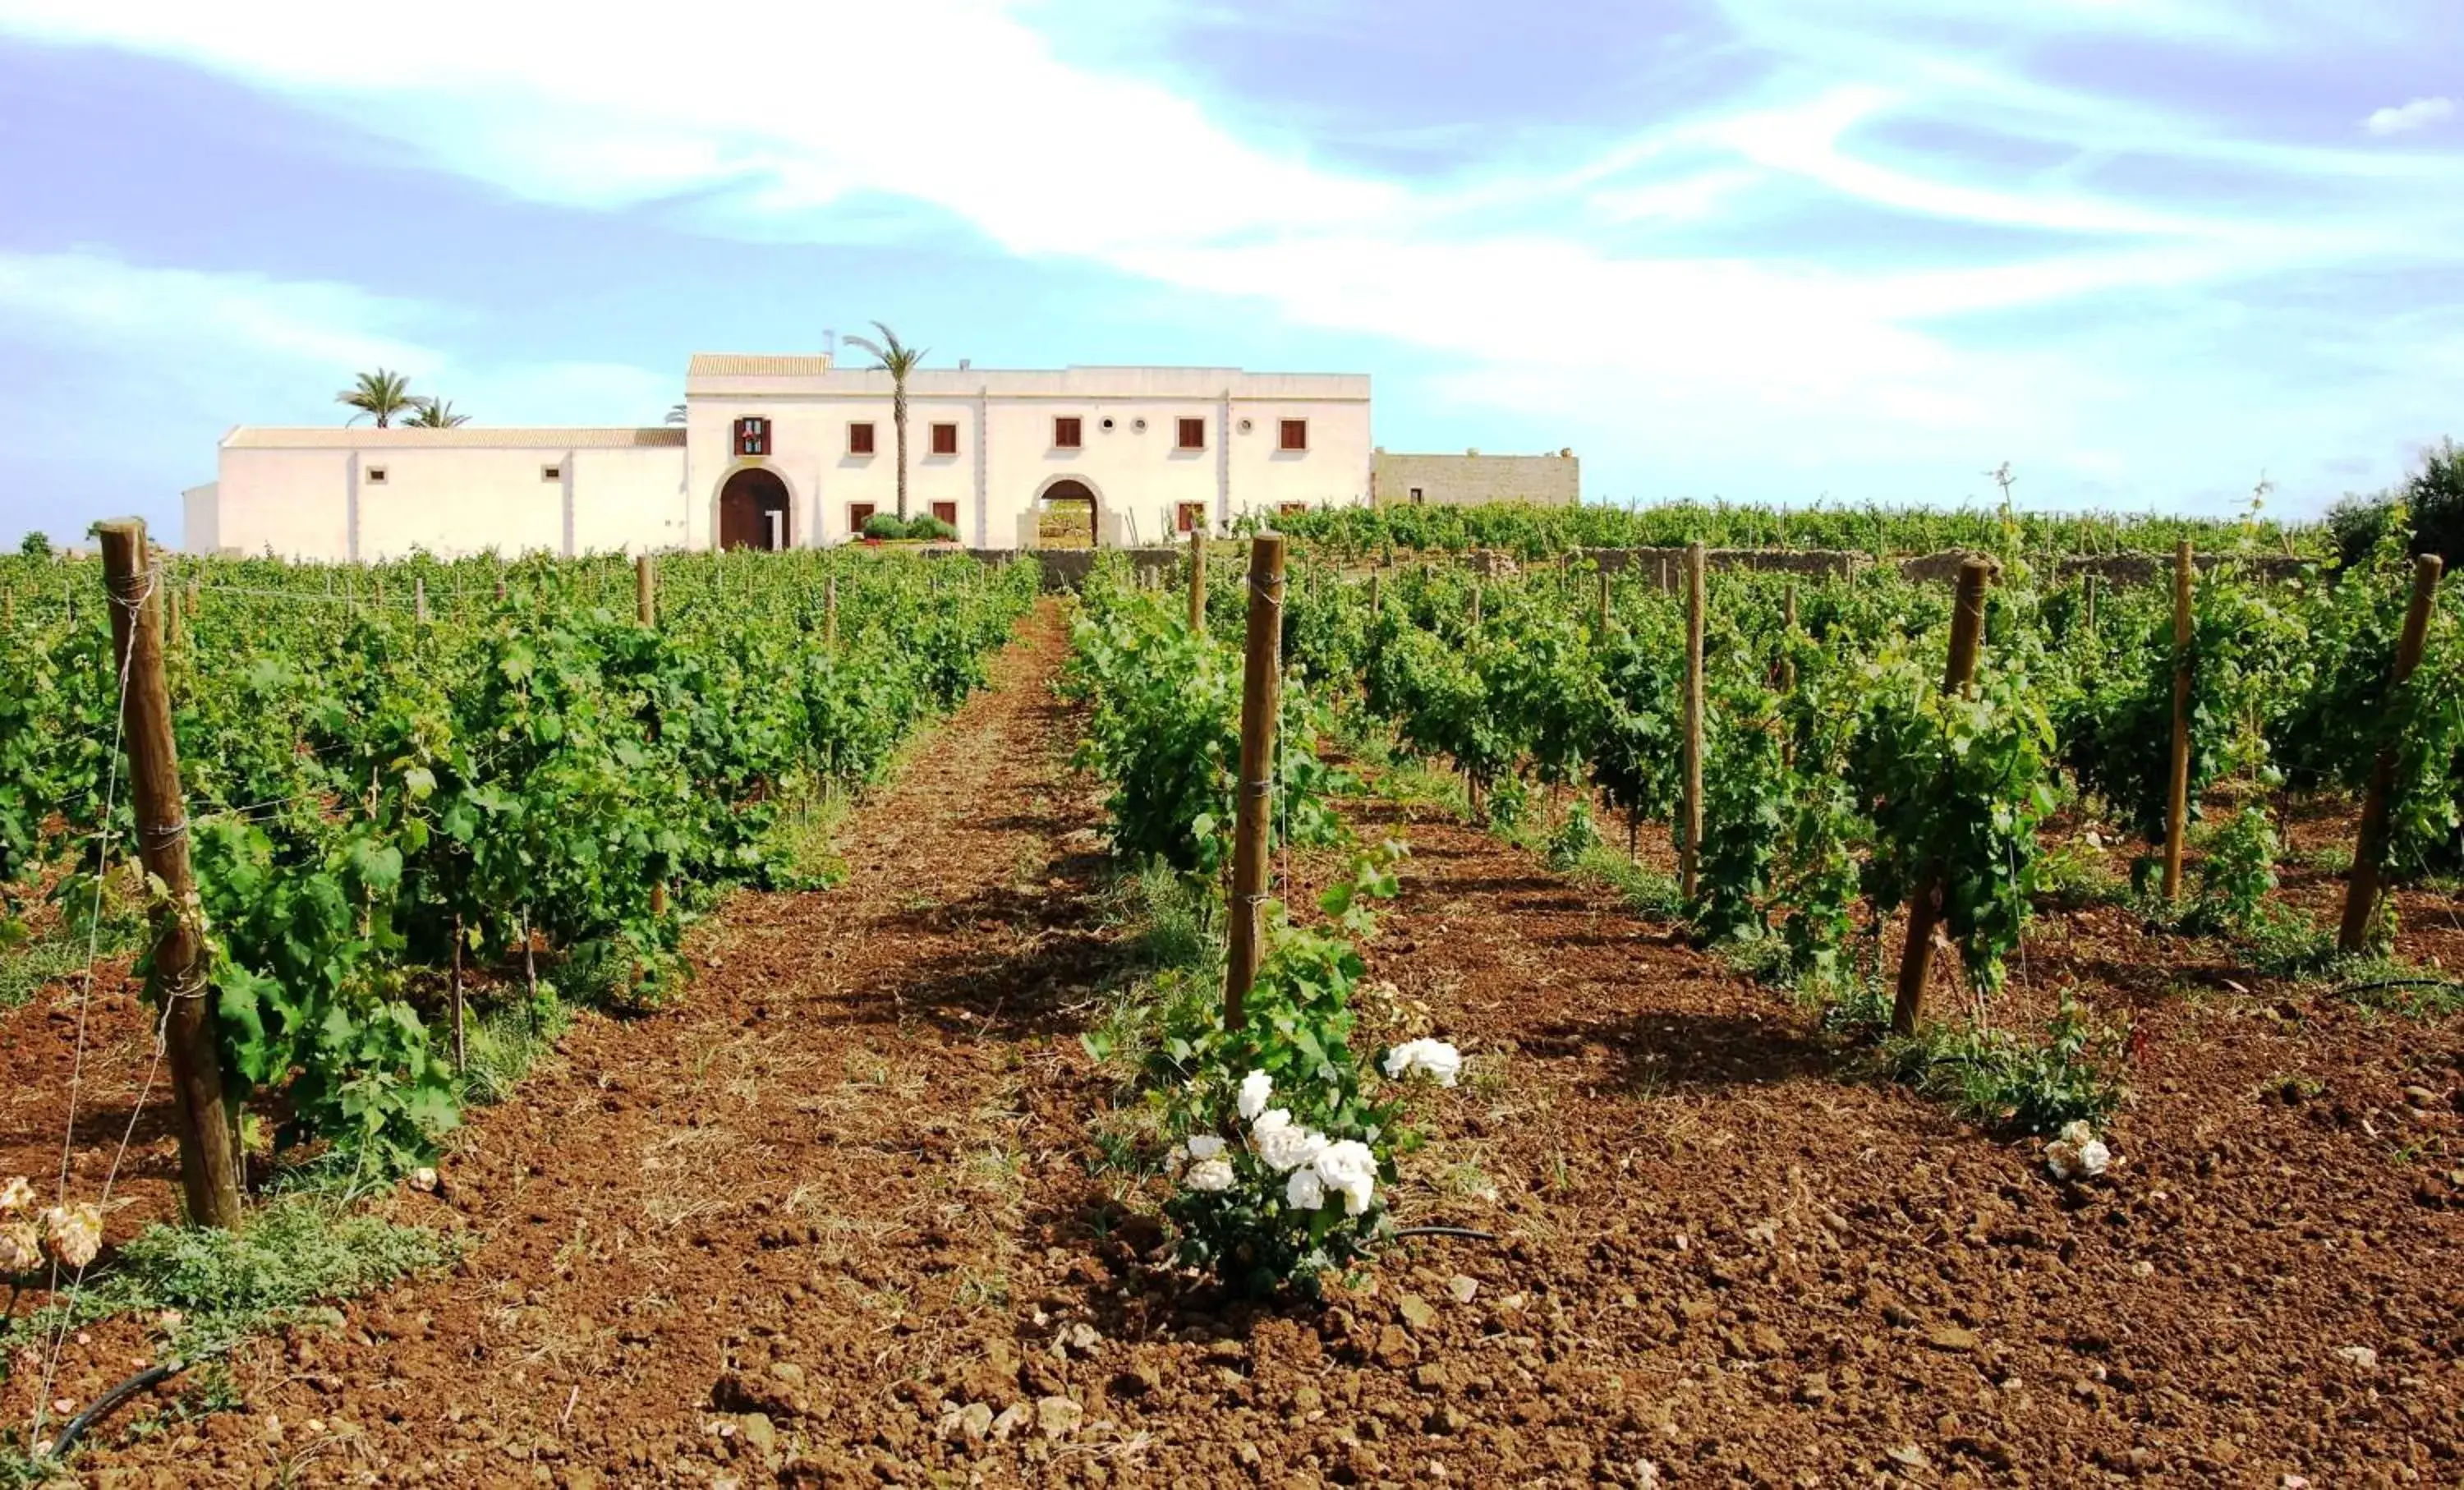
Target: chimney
(965,363)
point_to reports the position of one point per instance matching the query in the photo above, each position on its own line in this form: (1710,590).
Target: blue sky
(1767,250)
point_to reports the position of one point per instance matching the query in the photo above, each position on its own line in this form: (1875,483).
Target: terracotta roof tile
(757,365)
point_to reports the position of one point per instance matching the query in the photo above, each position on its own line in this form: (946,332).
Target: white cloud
(1571,291)
(247,349)
(2419,114)
(1044,157)
(92,299)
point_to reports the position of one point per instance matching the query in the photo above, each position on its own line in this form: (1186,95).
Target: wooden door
(740,522)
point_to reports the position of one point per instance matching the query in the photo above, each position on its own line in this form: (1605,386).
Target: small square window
(1295,434)
(1416,495)
(1192,516)
(945,439)
(858,514)
(1193,434)
(946,511)
(551,473)
(753,436)
(859,439)
(1065,433)
(376,475)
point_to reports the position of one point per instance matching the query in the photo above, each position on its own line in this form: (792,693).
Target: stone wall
(1471,479)
(2125,569)
(2121,570)
(1667,565)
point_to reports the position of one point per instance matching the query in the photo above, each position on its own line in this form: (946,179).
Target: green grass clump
(294,1256)
(503,1044)
(2000,1080)
(62,948)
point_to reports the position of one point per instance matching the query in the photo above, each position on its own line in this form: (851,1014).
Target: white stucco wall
(306,494)
(631,500)
(311,494)
(1006,458)
(291,503)
(200,520)
(452,502)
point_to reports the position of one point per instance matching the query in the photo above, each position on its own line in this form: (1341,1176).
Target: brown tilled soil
(831,1219)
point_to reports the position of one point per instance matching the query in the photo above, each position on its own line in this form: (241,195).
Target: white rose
(1349,1170)
(1204,1145)
(1209,1175)
(2078,1153)
(16,1194)
(1305,1190)
(1431,1057)
(21,1248)
(1269,1120)
(1286,1147)
(1255,1089)
(74,1233)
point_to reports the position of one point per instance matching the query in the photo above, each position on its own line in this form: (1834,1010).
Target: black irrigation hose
(1446,1230)
(2401,982)
(151,1375)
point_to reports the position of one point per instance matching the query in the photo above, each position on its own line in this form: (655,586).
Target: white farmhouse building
(792,451)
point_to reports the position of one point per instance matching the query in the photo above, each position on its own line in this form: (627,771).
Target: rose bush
(71,1235)
(1287,1136)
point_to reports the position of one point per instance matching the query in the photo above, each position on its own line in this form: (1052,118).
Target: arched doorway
(753,511)
(1065,515)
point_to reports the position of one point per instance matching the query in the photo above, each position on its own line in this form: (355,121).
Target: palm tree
(382,393)
(435,414)
(676,413)
(898,360)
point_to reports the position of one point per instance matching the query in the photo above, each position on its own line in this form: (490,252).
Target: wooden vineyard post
(1261,684)
(1925,908)
(2177,787)
(2087,600)
(500,586)
(461,1055)
(645,612)
(1196,581)
(830,611)
(208,1155)
(1690,857)
(1788,637)
(2369,850)
(1602,629)
(419,600)
(380,600)
(1471,782)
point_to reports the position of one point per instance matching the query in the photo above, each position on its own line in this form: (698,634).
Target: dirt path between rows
(787,1195)
(832,1221)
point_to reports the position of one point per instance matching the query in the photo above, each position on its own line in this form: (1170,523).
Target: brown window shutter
(1295,434)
